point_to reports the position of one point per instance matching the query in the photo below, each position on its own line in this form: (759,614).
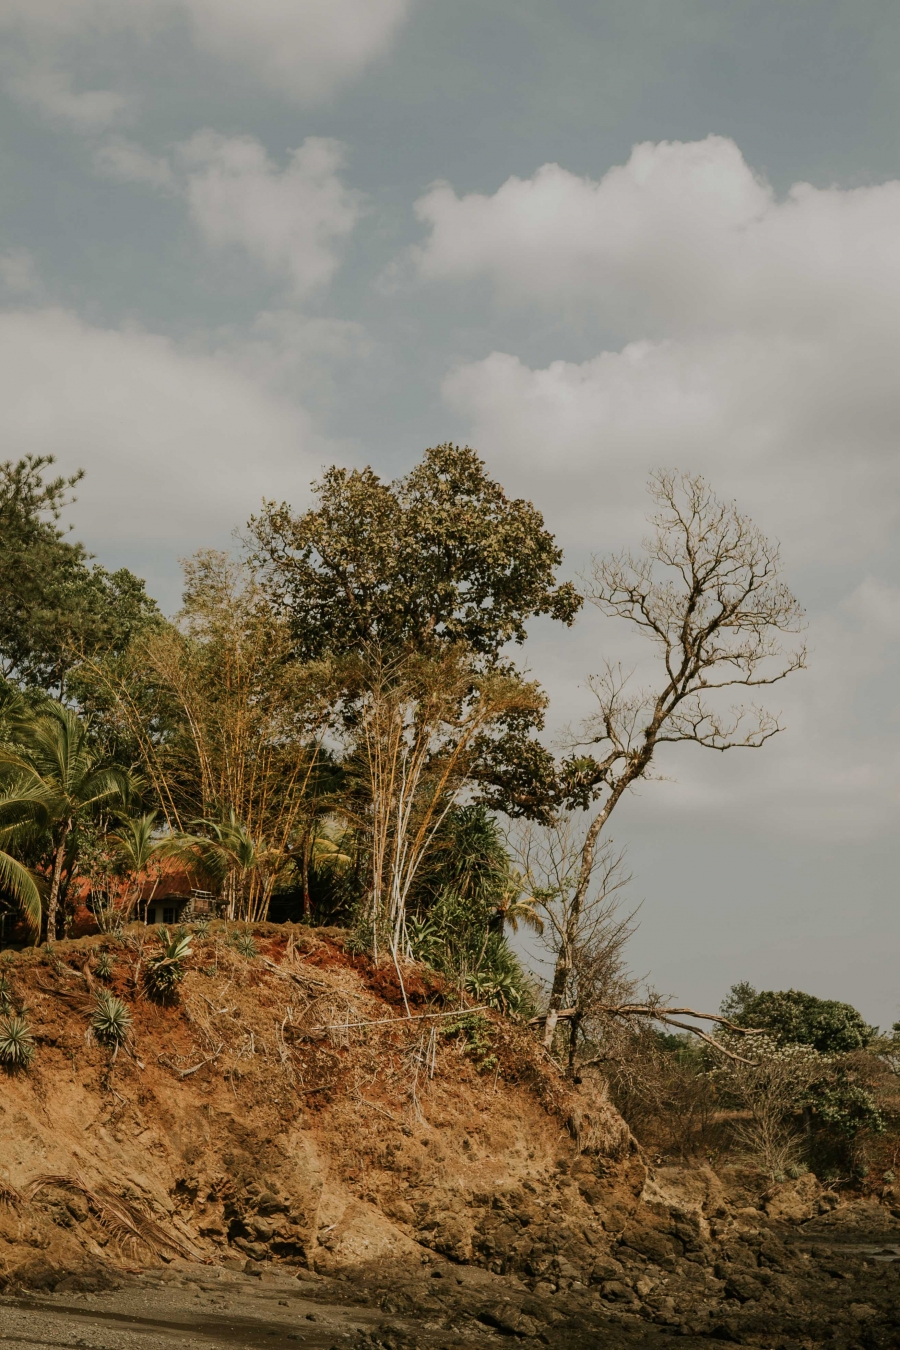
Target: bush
(793,1018)
(662,1086)
(456,924)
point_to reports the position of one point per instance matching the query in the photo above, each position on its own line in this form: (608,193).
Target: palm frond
(10,1196)
(22,885)
(123,1219)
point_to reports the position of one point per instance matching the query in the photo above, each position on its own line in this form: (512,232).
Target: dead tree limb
(666,1015)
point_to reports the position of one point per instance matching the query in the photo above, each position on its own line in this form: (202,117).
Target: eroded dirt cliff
(284,1118)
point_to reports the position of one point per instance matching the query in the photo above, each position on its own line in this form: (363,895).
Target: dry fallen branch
(413,1017)
(186,1073)
(666,1015)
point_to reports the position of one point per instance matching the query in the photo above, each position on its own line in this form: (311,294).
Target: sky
(240,242)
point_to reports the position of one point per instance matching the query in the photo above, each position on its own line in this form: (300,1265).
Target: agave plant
(244,943)
(111,1020)
(165,969)
(16,1042)
(104,965)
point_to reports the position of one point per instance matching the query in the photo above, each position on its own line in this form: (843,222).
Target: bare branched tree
(586,934)
(707,592)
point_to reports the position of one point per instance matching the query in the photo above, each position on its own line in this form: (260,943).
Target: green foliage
(440,556)
(110,1020)
(465,894)
(685,1049)
(474,1034)
(794,1018)
(54,606)
(54,780)
(439,560)
(245,944)
(166,967)
(847,1109)
(16,1042)
(104,965)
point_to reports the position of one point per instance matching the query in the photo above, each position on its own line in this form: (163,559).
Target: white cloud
(803,432)
(127,162)
(52,93)
(303,49)
(291,220)
(760,345)
(179,446)
(683,237)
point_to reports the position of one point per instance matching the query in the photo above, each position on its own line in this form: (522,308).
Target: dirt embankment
(285,1115)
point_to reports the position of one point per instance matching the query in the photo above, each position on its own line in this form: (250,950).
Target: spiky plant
(111,1020)
(16,1042)
(244,943)
(165,969)
(6,994)
(201,929)
(104,965)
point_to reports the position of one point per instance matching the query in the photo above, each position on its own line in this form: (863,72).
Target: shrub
(793,1018)
(165,969)
(111,1020)
(104,966)
(474,1032)
(16,1043)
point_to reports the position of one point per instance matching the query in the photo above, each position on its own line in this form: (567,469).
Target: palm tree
(247,867)
(137,845)
(22,816)
(50,757)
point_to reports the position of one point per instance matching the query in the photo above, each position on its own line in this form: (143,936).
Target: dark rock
(507,1319)
(742,1287)
(619,1292)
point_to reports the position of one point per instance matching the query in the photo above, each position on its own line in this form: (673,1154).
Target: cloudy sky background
(239,242)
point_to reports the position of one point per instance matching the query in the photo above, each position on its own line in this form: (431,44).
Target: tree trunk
(588,852)
(53,900)
(574,1028)
(307,902)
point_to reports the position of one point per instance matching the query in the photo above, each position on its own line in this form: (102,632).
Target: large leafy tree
(441,556)
(55,605)
(441,561)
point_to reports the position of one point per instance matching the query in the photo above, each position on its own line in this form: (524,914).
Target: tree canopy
(440,556)
(794,1018)
(55,605)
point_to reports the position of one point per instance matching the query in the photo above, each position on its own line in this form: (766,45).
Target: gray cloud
(302,51)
